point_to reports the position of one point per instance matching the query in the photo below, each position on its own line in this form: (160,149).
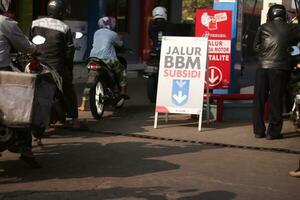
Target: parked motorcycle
(19,113)
(103,86)
(151,74)
(48,100)
(294,79)
(295,115)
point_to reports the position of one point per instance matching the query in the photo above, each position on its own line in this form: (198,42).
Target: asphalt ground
(123,157)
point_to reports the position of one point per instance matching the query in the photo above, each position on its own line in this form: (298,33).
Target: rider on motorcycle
(158,27)
(105,41)
(11,37)
(58,51)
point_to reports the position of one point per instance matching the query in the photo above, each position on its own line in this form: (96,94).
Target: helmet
(160,12)
(57,8)
(277,11)
(4,5)
(107,22)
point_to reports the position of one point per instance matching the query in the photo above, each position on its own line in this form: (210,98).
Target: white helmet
(4,5)
(107,22)
(160,12)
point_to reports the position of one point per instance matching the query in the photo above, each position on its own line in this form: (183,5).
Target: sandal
(295,173)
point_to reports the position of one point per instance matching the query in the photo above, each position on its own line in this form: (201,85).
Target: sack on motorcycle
(16,97)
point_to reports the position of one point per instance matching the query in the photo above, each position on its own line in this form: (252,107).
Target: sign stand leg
(200,122)
(155,120)
(208,108)
(167,117)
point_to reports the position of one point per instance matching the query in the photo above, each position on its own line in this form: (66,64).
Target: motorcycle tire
(152,89)
(295,119)
(96,100)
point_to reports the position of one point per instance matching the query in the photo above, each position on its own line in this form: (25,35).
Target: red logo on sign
(214,76)
(216,25)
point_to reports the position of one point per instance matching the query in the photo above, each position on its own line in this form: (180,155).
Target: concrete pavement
(137,117)
(99,163)
(122,157)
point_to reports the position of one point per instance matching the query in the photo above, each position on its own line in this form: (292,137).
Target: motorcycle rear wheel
(96,100)
(295,119)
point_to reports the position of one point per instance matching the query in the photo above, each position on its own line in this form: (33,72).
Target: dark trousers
(70,96)
(269,84)
(5,69)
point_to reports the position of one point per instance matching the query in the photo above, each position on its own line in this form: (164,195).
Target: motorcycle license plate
(92,77)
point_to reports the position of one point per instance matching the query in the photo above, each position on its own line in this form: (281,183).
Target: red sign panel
(217,26)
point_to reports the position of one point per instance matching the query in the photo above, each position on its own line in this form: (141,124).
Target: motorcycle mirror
(38,40)
(78,35)
(295,51)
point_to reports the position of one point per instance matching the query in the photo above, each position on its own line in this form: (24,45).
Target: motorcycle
(23,110)
(295,115)
(151,74)
(103,86)
(48,100)
(295,112)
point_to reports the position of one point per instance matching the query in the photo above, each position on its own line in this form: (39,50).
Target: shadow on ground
(91,159)
(149,193)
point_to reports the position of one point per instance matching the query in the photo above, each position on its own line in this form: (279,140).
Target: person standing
(272,43)
(11,37)
(158,26)
(58,51)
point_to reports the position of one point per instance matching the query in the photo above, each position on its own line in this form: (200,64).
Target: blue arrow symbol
(180,97)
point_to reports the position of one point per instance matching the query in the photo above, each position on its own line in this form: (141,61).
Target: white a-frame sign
(183,63)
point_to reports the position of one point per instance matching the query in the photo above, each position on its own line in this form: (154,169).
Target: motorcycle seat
(95,59)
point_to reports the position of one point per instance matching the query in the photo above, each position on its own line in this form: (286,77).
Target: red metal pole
(146,13)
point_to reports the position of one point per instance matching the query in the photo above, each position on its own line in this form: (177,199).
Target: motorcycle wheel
(96,100)
(152,89)
(295,119)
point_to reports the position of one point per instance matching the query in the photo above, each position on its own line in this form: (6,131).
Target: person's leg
(278,81)
(261,91)
(70,98)
(84,100)
(120,71)
(25,141)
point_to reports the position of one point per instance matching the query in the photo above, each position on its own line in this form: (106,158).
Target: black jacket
(58,50)
(272,43)
(158,28)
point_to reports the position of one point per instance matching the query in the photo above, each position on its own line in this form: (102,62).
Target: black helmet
(4,5)
(277,11)
(57,8)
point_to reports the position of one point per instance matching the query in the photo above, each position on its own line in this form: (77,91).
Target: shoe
(295,173)
(39,141)
(75,125)
(125,96)
(31,161)
(272,137)
(260,135)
